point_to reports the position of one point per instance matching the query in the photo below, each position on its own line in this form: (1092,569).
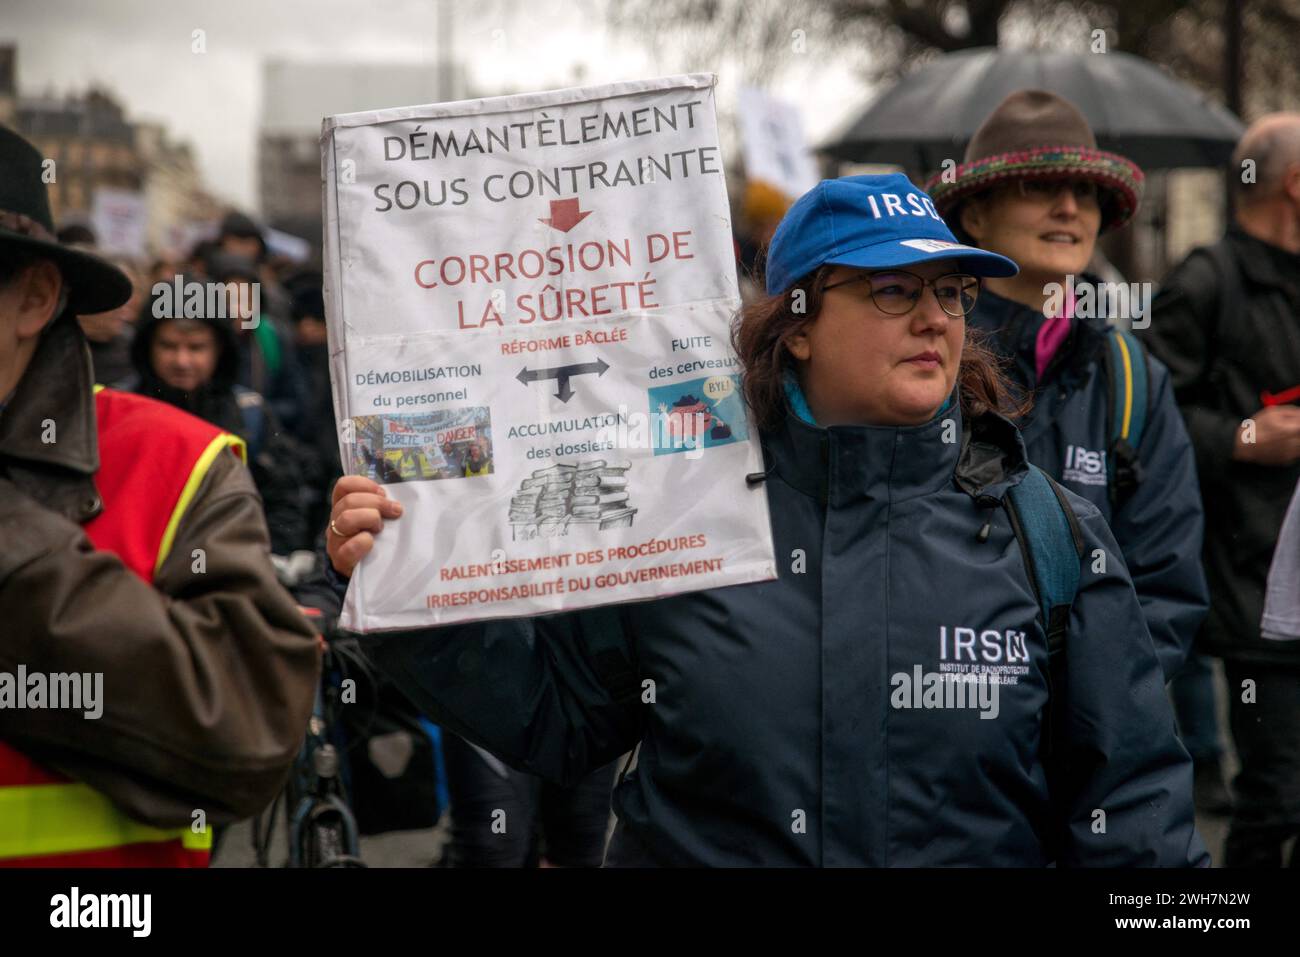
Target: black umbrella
(1135,108)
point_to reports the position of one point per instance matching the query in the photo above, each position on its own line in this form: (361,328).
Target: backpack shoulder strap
(611,651)
(1230,287)
(1129,397)
(1052,545)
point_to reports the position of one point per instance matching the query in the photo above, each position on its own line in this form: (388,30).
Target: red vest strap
(152,458)
(160,854)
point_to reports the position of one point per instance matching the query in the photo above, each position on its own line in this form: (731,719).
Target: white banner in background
(775,151)
(529,300)
(120,219)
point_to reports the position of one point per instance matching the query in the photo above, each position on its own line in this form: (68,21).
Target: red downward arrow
(564,215)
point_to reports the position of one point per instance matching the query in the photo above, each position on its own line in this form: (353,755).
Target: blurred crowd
(264,378)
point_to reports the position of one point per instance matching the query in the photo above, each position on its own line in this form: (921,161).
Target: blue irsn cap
(872,222)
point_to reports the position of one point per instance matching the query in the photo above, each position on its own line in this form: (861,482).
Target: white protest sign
(529,300)
(120,220)
(287,245)
(775,150)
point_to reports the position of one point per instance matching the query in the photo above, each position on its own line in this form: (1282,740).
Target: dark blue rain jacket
(1159,526)
(779,723)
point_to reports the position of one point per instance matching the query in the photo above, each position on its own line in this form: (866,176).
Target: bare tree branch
(886,37)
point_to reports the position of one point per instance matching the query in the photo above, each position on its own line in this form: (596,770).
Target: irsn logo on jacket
(994,646)
(1083,466)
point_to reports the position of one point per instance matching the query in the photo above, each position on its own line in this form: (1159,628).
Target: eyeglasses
(897,292)
(1046,190)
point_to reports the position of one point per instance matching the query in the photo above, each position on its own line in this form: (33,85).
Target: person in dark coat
(190,363)
(1034,186)
(774,720)
(209,679)
(267,361)
(109,334)
(241,237)
(318,430)
(1227,323)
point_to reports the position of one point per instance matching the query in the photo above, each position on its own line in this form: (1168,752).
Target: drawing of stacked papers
(593,492)
(523,507)
(600,494)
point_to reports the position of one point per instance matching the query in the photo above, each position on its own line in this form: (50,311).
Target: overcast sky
(141,51)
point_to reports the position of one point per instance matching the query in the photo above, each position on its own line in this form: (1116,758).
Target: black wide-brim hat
(26,226)
(1036,134)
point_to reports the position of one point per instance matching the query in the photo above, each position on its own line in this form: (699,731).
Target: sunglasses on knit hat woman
(1035,187)
(782,722)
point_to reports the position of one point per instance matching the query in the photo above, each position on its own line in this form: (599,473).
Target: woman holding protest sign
(935,678)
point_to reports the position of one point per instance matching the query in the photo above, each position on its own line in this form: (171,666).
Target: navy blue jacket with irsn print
(1160,524)
(769,715)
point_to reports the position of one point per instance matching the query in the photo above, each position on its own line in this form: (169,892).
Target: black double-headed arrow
(562,374)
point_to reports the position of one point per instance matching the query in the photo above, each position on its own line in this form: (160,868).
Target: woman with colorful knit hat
(1035,188)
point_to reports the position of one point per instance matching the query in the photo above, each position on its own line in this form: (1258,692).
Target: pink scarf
(1052,333)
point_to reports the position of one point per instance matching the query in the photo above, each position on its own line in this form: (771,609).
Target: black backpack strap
(1231,292)
(610,652)
(1229,296)
(611,642)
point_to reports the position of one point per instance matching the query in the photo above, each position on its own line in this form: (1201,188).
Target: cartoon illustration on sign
(698,413)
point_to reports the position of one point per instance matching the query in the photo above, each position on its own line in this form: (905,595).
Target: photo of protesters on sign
(455,443)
